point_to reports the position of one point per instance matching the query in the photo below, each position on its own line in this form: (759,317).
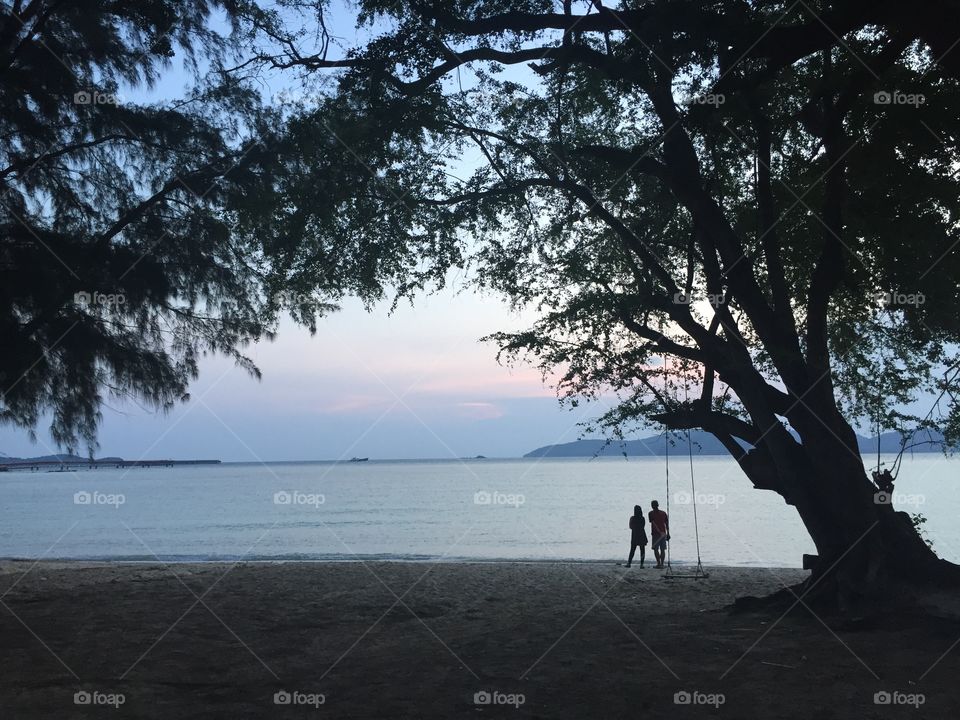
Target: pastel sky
(415,384)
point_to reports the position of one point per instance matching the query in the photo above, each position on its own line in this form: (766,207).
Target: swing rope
(906,443)
(699,571)
(693,490)
(666,455)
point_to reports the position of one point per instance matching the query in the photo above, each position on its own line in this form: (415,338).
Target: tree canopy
(766,192)
(125,250)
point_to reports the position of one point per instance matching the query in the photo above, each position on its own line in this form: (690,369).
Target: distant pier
(112,463)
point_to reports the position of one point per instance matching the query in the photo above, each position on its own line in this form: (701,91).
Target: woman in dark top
(638,535)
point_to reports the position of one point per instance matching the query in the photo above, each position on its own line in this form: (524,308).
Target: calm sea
(536,509)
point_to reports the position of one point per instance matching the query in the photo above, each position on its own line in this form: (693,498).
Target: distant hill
(890,442)
(654,445)
(705,444)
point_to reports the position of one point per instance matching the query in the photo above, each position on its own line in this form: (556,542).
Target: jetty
(109,463)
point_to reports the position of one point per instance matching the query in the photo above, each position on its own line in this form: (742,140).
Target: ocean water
(530,509)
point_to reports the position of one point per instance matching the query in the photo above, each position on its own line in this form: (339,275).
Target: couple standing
(659,529)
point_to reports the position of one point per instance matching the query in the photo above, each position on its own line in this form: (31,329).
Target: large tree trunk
(870,555)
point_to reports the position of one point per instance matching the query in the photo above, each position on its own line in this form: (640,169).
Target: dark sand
(396,640)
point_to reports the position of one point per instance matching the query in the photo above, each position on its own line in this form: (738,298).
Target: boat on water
(357,459)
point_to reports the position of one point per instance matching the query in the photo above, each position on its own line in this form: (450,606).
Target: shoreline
(160,560)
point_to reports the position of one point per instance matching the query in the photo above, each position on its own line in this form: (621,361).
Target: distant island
(706,444)
(75,461)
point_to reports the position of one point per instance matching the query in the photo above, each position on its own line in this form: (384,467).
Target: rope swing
(699,572)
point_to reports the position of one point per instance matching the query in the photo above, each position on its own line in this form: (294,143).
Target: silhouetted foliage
(128,243)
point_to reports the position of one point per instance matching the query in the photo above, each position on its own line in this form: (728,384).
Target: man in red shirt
(659,531)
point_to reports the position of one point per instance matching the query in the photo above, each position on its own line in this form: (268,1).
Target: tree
(126,243)
(764,195)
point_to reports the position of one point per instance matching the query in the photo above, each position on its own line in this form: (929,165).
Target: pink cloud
(479,410)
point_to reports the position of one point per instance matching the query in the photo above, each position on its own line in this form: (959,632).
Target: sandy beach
(409,640)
